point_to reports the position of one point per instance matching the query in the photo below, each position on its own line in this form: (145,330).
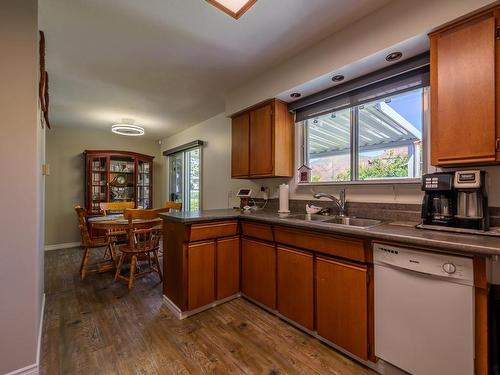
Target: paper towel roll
(283,199)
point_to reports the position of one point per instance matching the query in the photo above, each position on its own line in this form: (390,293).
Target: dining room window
(185,178)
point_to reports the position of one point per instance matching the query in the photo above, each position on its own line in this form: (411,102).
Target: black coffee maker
(438,207)
(455,200)
(472,200)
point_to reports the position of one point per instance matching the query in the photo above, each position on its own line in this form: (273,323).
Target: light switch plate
(45,169)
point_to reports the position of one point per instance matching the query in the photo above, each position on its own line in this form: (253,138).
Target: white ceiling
(409,48)
(167,64)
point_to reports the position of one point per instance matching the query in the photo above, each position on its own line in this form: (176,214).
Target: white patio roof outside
(380,127)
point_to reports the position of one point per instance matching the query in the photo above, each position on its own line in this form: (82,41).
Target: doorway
(185,178)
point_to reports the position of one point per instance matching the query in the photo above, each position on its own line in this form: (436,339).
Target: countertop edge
(378,233)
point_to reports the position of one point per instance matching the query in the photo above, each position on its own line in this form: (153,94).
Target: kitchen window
(378,140)
(370,129)
(184,184)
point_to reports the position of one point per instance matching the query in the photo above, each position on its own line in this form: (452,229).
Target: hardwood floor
(97,326)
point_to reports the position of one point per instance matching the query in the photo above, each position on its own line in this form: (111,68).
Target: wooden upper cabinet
(342,304)
(263,141)
(240,143)
(464,100)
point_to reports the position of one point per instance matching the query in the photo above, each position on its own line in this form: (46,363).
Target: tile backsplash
(370,210)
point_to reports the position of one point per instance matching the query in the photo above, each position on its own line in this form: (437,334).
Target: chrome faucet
(340,203)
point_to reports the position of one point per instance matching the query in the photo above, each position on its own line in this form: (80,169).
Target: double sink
(337,220)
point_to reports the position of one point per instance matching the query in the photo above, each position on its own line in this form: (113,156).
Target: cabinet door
(258,268)
(228,267)
(463,93)
(240,143)
(261,141)
(295,286)
(201,274)
(341,305)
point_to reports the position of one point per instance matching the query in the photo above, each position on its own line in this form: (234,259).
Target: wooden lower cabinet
(296,286)
(201,274)
(228,267)
(258,271)
(342,304)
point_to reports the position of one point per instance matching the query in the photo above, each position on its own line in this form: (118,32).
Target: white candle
(284,199)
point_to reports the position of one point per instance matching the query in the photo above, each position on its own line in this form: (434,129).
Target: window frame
(185,177)
(304,152)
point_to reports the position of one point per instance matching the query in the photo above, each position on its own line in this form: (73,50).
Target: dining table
(115,227)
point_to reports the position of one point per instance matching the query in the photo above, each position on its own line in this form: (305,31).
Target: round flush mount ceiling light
(338,78)
(394,56)
(295,95)
(127,129)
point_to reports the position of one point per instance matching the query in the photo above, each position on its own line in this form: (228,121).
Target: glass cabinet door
(121,179)
(144,169)
(98,183)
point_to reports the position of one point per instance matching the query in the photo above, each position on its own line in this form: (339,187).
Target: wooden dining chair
(144,234)
(173,205)
(115,207)
(89,243)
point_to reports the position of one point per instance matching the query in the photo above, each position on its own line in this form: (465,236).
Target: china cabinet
(117,176)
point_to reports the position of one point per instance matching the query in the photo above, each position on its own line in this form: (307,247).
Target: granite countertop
(403,233)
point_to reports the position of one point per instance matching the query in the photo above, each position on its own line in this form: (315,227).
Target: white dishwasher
(424,311)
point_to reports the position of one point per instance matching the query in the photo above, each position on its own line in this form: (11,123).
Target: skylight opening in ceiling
(235,8)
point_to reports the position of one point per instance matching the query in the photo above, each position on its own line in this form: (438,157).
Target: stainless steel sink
(307,217)
(339,220)
(354,221)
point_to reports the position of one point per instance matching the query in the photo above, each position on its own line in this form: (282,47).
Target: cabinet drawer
(213,230)
(337,246)
(262,231)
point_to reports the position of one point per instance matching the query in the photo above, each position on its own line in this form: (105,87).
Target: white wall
(392,24)
(218,188)
(398,21)
(66,183)
(21,152)
(217,184)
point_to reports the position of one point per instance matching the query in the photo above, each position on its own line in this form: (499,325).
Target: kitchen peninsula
(299,269)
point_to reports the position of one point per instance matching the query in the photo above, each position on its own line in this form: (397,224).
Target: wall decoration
(43,85)
(304,174)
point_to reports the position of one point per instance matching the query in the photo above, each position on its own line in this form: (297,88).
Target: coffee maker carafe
(472,201)
(438,206)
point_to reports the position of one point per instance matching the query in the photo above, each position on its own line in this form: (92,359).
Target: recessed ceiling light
(338,78)
(295,94)
(235,8)
(393,56)
(127,129)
